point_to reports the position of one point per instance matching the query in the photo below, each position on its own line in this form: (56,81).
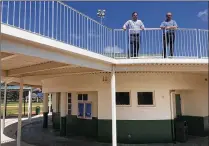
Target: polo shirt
(131,24)
(169,23)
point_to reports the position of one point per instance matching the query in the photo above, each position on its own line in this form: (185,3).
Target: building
(96,90)
(146,103)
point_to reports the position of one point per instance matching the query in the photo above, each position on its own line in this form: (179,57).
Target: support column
(29,104)
(19,126)
(0,108)
(63,114)
(4,109)
(54,109)
(50,102)
(114,130)
(54,102)
(45,110)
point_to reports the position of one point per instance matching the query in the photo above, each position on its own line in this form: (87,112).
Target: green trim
(197,126)
(45,120)
(82,127)
(131,131)
(56,121)
(63,126)
(136,131)
(206,126)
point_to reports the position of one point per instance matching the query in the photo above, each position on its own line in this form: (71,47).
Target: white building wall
(160,83)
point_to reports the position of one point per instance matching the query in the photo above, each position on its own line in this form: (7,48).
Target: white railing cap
(160,29)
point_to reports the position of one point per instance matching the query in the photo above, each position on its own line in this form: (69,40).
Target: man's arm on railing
(162,26)
(175,26)
(125,25)
(171,27)
(142,25)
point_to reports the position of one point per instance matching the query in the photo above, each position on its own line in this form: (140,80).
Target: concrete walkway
(8,137)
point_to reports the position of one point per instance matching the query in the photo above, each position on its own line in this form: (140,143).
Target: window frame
(145,105)
(130,101)
(84,109)
(69,103)
(82,94)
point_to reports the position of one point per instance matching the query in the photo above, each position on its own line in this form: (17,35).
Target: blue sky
(152,13)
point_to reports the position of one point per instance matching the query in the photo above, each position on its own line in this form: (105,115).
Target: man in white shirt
(134,26)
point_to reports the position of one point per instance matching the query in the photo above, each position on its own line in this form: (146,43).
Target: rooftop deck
(60,22)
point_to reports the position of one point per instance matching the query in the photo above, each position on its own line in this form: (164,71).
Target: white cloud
(93,34)
(115,49)
(75,36)
(203,15)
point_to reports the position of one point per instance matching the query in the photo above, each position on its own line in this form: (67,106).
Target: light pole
(101,14)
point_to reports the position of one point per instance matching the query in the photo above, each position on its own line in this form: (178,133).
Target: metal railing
(203,43)
(58,21)
(151,42)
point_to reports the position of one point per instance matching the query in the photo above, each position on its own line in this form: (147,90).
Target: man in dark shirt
(169,26)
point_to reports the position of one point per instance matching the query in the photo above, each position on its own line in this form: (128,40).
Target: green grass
(12,108)
(26,104)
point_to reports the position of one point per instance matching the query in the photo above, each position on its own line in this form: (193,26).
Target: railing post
(129,44)
(39,17)
(52,19)
(126,44)
(25,16)
(48,17)
(87,34)
(8,13)
(113,43)
(200,47)
(34,20)
(109,44)
(197,32)
(1,6)
(30,19)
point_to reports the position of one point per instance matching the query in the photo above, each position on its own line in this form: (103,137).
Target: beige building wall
(92,97)
(161,109)
(193,89)
(195,102)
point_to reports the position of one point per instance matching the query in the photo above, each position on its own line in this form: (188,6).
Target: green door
(178,105)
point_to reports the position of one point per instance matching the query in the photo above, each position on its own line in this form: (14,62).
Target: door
(178,105)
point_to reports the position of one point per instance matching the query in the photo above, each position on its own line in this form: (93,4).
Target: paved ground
(37,136)
(8,138)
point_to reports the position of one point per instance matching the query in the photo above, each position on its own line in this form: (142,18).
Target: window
(84,107)
(122,98)
(69,103)
(82,97)
(145,98)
